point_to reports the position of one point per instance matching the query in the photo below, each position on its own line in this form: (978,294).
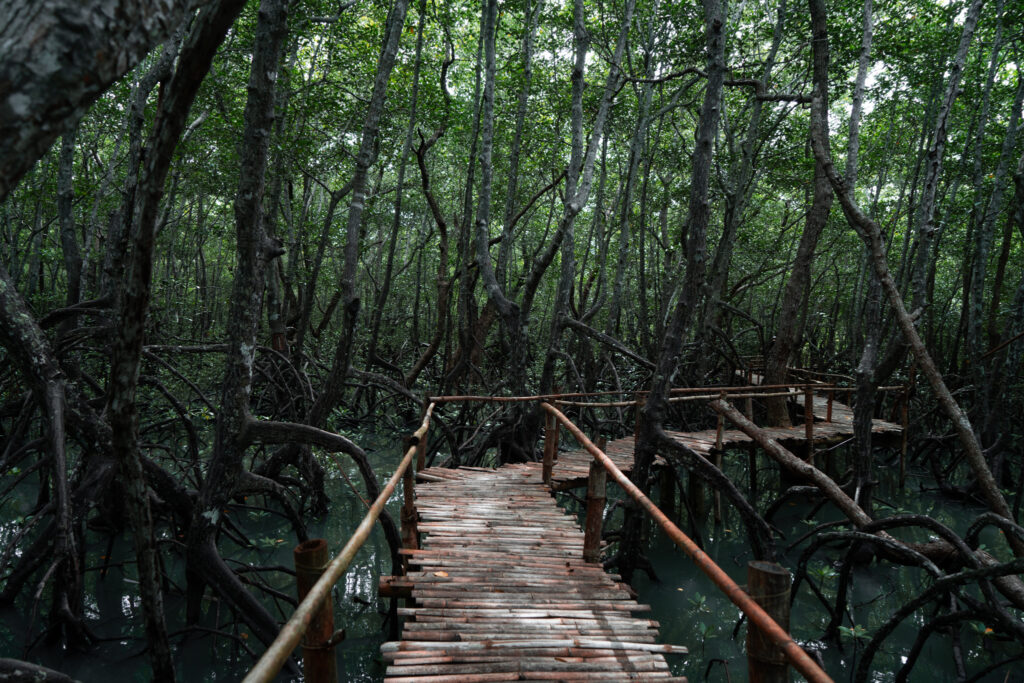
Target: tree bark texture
(927,231)
(687,296)
(332,389)
(224,473)
(58,56)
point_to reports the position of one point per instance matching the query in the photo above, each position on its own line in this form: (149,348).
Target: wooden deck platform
(703,442)
(502,593)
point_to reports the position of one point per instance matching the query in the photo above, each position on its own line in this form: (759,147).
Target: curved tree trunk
(196,56)
(651,438)
(871,233)
(331,391)
(789,330)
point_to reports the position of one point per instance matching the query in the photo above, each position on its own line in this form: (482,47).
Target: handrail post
(639,410)
(421,449)
(904,423)
(780,637)
(410,534)
(319,663)
(550,447)
(809,421)
(828,415)
(768,584)
(719,438)
(596,487)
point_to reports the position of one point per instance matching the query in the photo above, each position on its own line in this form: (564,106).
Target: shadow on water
(690,609)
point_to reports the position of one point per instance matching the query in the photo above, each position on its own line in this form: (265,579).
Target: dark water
(690,609)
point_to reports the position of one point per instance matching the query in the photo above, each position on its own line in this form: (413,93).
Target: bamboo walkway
(703,442)
(570,470)
(502,593)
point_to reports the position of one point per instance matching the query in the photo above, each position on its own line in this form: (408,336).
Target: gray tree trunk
(872,235)
(526,52)
(580,175)
(652,439)
(396,222)
(788,332)
(196,55)
(65,213)
(926,230)
(58,56)
(331,391)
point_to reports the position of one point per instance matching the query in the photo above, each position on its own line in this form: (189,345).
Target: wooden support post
(828,416)
(421,453)
(550,446)
(410,532)
(319,663)
(904,422)
(596,483)
(809,422)
(717,503)
(636,425)
(768,584)
(752,468)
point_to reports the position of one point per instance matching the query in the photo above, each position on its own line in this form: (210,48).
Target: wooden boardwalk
(499,589)
(703,442)
(570,471)
(502,593)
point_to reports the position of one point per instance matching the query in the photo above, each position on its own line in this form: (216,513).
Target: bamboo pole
(674,392)
(596,484)
(768,584)
(319,663)
(718,463)
(809,422)
(421,453)
(794,653)
(410,535)
(291,633)
(550,446)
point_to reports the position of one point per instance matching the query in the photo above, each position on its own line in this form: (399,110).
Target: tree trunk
(68,239)
(396,224)
(331,391)
(690,287)
(58,56)
(196,55)
(505,249)
(579,176)
(872,235)
(789,331)
(863,408)
(744,180)
(927,231)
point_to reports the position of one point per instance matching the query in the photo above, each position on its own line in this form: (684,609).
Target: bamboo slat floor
(703,442)
(570,471)
(502,593)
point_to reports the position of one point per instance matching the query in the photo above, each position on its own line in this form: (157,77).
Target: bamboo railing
(288,639)
(800,660)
